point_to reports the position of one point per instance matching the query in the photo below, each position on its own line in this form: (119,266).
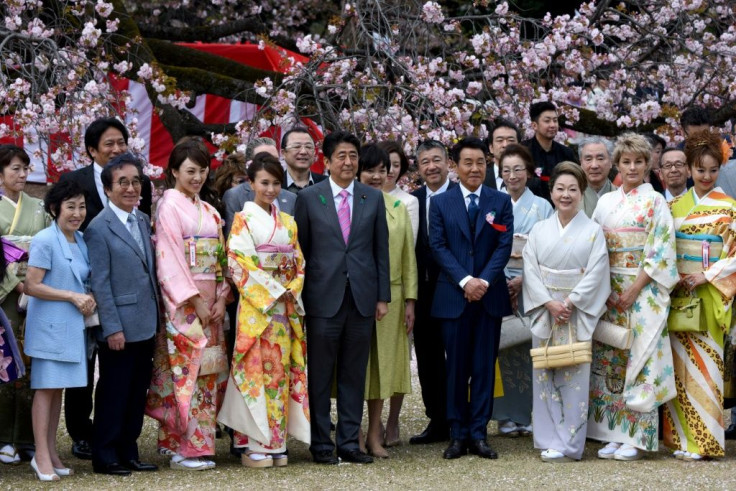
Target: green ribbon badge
(322,199)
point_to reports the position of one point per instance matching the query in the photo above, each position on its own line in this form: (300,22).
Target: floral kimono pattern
(693,422)
(627,386)
(184,402)
(267,389)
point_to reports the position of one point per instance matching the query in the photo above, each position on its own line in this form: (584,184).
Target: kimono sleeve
(534,292)
(660,254)
(173,272)
(255,285)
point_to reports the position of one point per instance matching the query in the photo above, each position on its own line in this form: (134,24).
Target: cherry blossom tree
(400,69)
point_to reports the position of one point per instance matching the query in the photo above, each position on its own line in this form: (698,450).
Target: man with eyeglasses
(298,151)
(104,139)
(595,158)
(675,172)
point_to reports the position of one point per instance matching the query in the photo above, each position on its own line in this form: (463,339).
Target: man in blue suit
(123,280)
(470,233)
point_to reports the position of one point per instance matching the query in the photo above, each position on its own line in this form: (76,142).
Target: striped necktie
(343,215)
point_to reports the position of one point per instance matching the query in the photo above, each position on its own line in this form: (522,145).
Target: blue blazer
(481,255)
(52,324)
(123,278)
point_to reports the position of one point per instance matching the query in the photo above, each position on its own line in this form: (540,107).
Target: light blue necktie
(135,232)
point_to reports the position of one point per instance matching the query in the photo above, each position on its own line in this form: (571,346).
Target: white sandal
(181,463)
(608,451)
(9,455)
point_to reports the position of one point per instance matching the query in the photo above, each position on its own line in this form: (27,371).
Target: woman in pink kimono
(190,361)
(266,395)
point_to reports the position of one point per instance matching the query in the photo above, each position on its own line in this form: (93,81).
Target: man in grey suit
(124,284)
(344,238)
(235,198)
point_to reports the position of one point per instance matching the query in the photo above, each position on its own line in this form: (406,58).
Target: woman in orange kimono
(267,390)
(190,361)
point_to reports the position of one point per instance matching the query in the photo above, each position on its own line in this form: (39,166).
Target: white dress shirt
(98,184)
(121,214)
(336,190)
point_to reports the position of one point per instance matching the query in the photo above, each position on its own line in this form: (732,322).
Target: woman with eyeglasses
(513,411)
(190,360)
(705,219)
(628,385)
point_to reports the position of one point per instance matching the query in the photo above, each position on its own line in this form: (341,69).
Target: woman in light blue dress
(58,272)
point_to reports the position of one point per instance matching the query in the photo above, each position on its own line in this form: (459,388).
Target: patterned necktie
(135,232)
(473,209)
(343,215)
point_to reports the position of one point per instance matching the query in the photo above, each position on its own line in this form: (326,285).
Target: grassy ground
(412,467)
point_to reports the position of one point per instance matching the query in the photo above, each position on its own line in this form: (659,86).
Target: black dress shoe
(481,449)
(355,456)
(731,432)
(113,469)
(324,457)
(138,466)
(457,449)
(432,434)
(82,450)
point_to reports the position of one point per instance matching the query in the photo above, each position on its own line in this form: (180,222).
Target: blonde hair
(632,143)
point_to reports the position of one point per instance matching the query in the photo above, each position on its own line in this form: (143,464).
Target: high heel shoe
(42,477)
(64,471)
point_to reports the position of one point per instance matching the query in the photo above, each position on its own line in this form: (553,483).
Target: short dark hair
(371,156)
(393,147)
(8,152)
(572,169)
(194,149)
(655,140)
(503,123)
(95,130)
(295,129)
(428,145)
(672,149)
(269,163)
(335,138)
(467,142)
(60,192)
(695,116)
(119,162)
(518,150)
(537,108)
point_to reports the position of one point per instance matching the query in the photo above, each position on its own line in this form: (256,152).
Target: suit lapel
(457,205)
(117,228)
(91,186)
(327,202)
(358,206)
(484,203)
(67,251)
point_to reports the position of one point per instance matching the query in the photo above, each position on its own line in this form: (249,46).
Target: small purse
(564,355)
(214,360)
(621,337)
(686,315)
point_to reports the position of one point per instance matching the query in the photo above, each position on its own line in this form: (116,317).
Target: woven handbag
(621,337)
(564,355)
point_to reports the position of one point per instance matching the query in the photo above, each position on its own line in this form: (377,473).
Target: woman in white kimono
(627,386)
(513,410)
(565,287)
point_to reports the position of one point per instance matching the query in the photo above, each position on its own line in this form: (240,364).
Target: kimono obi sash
(517,248)
(559,283)
(276,257)
(690,249)
(202,254)
(16,253)
(625,246)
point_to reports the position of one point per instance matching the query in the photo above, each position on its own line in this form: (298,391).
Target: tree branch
(251,25)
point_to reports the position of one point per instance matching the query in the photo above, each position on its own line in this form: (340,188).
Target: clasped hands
(560,311)
(474,289)
(84,302)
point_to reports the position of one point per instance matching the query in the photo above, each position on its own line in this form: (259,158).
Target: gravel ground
(410,467)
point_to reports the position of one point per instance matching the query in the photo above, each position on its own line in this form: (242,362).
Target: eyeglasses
(299,146)
(515,170)
(678,164)
(125,184)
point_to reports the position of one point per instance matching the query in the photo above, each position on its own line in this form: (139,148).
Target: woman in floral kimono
(627,386)
(565,287)
(266,395)
(190,361)
(21,217)
(705,221)
(513,411)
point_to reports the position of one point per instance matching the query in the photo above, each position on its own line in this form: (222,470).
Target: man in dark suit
(344,238)
(470,233)
(546,152)
(104,139)
(433,167)
(298,150)
(123,279)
